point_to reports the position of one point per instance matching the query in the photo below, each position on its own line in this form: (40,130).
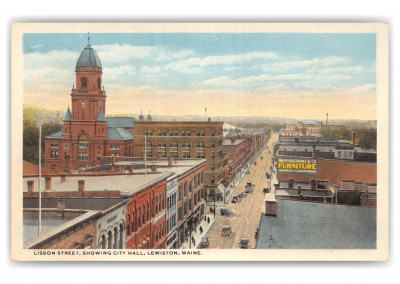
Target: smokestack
(31,186)
(290,183)
(48,183)
(315,153)
(313,184)
(326,118)
(81,186)
(169,162)
(354,138)
(60,207)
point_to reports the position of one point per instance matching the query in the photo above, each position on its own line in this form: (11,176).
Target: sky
(288,75)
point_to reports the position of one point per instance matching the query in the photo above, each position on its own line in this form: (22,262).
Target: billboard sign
(298,166)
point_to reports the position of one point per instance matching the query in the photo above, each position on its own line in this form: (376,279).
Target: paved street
(247,211)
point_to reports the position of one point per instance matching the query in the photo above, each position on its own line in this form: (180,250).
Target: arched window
(146,132)
(98,83)
(110,239)
(121,236)
(198,133)
(164,132)
(103,242)
(213,144)
(84,82)
(183,133)
(174,144)
(115,246)
(150,132)
(200,145)
(162,144)
(159,132)
(189,133)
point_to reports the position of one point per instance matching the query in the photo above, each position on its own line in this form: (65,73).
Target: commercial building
(87,135)
(75,223)
(310,225)
(184,140)
(239,150)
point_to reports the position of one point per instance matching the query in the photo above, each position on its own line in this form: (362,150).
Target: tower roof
(67,115)
(88,58)
(101,116)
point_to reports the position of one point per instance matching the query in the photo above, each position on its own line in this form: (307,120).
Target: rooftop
(307,225)
(228,142)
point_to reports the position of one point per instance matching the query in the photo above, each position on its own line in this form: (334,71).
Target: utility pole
(145,156)
(40,178)
(214,205)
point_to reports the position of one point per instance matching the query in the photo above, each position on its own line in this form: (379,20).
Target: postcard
(200,142)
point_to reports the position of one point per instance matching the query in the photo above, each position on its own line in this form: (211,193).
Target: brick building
(184,140)
(87,134)
(239,150)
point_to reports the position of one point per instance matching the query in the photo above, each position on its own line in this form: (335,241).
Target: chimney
(326,118)
(315,153)
(81,186)
(130,169)
(63,178)
(60,208)
(290,183)
(153,168)
(169,162)
(233,139)
(354,138)
(48,183)
(313,184)
(31,186)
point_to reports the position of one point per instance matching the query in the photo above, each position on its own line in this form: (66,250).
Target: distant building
(302,129)
(87,134)
(239,150)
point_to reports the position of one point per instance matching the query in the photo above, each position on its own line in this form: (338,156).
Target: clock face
(83,104)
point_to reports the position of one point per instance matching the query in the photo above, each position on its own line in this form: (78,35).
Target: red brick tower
(86,126)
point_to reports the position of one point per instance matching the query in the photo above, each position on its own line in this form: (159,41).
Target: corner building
(183,140)
(86,135)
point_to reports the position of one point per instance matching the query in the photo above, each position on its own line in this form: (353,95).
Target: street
(246,213)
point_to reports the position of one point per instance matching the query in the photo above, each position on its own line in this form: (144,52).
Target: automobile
(205,242)
(261,157)
(240,195)
(235,199)
(248,172)
(255,163)
(248,184)
(266,190)
(267,175)
(226,231)
(247,190)
(224,211)
(244,243)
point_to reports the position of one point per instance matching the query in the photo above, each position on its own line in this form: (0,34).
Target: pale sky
(301,76)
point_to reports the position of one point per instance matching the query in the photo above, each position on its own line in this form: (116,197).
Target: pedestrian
(205,218)
(201,230)
(208,220)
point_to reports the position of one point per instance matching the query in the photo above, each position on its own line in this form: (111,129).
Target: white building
(172,189)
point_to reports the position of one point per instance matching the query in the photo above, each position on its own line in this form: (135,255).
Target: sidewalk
(196,234)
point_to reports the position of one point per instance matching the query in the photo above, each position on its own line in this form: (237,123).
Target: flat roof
(308,225)
(228,142)
(127,184)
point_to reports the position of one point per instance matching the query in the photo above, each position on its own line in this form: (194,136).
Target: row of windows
(189,205)
(183,189)
(174,145)
(171,223)
(54,145)
(83,156)
(83,143)
(84,82)
(145,213)
(163,132)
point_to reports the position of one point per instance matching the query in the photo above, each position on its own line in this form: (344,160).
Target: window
(183,133)
(180,193)
(200,145)
(159,133)
(164,132)
(83,144)
(176,132)
(139,218)
(190,186)
(54,145)
(133,221)
(83,156)
(212,155)
(150,132)
(114,147)
(213,133)
(200,155)
(189,133)
(198,133)
(54,154)
(84,82)
(98,83)
(212,180)
(212,167)
(144,212)
(203,133)
(66,155)
(185,189)
(146,132)
(174,145)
